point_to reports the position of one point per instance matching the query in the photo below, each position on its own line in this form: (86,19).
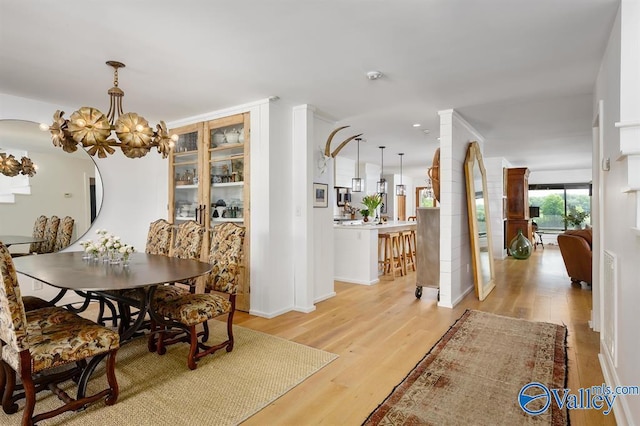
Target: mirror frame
(474,157)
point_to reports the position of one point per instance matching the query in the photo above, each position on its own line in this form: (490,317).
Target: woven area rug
(474,374)
(225,389)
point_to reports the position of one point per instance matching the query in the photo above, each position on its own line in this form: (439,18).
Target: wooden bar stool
(389,254)
(408,245)
(397,252)
(384,248)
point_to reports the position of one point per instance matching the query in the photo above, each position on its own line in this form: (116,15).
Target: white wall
(322,239)
(618,87)
(456,277)
(495,189)
(559,176)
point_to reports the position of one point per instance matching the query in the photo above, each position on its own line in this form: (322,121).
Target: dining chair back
(159,237)
(188,241)
(50,233)
(38,232)
(183,310)
(39,341)
(65,231)
(188,245)
(226,257)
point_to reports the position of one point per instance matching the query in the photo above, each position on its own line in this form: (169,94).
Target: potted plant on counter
(365,215)
(371,202)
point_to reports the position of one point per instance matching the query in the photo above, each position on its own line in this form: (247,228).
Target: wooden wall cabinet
(518,203)
(209,167)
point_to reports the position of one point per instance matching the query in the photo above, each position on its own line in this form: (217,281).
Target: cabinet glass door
(227,169)
(185,177)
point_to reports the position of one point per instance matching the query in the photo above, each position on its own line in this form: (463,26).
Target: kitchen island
(356,250)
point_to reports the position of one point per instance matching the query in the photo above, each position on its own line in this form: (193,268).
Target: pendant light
(356,182)
(382,183)
(401,189)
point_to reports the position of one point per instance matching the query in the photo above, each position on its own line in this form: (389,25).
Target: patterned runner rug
(474,375)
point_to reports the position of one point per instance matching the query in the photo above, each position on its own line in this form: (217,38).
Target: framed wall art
(320,195)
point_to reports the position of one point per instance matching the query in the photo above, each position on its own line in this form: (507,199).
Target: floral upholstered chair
(34,343)
(38,232)
(50,233)
(184,310)
(188,245)
(159,237)
(65,231)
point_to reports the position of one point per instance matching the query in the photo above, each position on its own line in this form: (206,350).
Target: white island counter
(356,250)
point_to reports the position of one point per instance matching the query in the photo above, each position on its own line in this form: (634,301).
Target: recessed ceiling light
(426,131)
(438,138)
(417,125)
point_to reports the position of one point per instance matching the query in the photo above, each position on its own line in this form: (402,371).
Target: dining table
(95,279)
(9,240)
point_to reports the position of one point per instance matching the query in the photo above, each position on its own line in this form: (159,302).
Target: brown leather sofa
(576,249)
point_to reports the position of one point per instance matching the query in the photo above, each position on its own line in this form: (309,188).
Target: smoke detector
(374,75)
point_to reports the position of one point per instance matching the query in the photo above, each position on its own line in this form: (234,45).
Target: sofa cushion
(587,234)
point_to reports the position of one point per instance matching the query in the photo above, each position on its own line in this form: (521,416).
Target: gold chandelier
(9,166)
(92,129)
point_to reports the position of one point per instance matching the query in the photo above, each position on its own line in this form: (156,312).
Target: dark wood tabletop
(67,270)
(8,240)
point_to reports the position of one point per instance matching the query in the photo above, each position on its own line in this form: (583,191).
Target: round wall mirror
(64,184)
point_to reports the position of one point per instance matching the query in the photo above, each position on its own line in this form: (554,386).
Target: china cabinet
(209,179)
(518,203)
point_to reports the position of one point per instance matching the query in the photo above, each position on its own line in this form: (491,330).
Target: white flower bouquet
(109,246)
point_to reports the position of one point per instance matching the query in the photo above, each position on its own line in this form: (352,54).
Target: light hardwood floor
(380,332)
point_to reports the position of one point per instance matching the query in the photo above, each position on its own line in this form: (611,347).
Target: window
(561,206)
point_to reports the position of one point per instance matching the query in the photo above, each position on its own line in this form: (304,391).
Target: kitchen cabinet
(344,169)
(209,180)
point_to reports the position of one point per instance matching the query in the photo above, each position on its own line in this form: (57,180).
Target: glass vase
(520,247)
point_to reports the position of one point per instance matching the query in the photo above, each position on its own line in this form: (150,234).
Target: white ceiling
(522,72)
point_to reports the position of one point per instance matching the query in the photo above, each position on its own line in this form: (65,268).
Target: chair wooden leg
(8,405)
(3,380)
(29,390)
(160,348)
(230,329)
(205,332)
(193,349)
(111,379)
(151,341)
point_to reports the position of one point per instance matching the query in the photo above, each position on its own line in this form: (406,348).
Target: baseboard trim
(621,410)
(325,297)
(352,281)
(305,310)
